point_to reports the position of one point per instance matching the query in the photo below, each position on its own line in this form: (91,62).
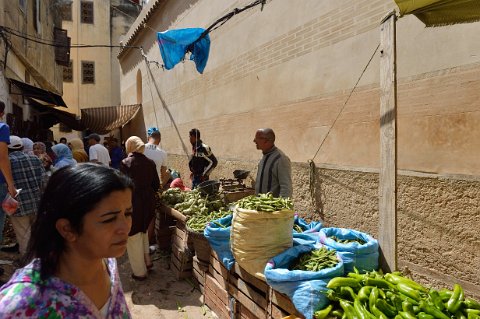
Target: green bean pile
(265,203)
(173,196)
(198,222)
(347,241)
(316,260)
(195,203)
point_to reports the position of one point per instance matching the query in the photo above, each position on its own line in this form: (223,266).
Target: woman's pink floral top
(25,295)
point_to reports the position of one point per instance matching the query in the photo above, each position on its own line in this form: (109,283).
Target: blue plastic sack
(219,239)
(309,234)
(313,227)
(303,287)
(363,257)
(175,43)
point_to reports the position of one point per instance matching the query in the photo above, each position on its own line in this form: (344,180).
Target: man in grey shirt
(274,171)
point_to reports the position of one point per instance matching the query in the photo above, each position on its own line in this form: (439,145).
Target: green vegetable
(409,291)
(348,309)
(471,304)
(407,315)
(316,260)
(342,282)
(437,301)
(364,293)
(322,314)
(384,307)
(423,315)
(455,301)
(348,241)
(397,279)
(431,310)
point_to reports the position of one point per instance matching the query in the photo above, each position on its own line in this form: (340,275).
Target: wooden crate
(200,270)
(255,299)
(281,306)
(217,298)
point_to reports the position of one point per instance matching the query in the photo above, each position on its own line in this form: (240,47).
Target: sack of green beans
(304,287)
(304,232)
(357,249)
(257,236)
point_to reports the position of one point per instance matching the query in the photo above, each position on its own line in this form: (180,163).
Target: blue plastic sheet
(175,43)
(303,287)
(309,234)
(363,257)
(219,239)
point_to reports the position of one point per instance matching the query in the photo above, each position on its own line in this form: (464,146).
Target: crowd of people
(77,208)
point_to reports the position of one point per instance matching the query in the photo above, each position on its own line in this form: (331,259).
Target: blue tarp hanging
(174,44)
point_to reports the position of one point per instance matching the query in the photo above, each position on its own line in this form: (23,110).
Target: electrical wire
(55,44)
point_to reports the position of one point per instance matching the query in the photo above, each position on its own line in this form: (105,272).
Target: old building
(91,80)
(33,49)
(295,68)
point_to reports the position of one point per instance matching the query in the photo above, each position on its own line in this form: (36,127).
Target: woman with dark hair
(82,224)
(144,174)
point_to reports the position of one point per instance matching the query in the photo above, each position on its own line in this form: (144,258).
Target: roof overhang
(441,12)
(50,116)
(30,91)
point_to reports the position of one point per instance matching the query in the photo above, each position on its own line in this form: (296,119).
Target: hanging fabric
(174,44)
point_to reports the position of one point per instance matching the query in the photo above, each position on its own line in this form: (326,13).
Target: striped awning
(102,120)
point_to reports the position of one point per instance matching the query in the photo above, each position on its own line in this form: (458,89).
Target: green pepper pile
(265,203)
(173,196)
(316,260)
(348,241)
(374,295)
(195,203)
(199,222)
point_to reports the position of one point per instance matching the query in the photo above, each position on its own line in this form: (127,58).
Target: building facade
(31,64)
(311,72)
(92,77)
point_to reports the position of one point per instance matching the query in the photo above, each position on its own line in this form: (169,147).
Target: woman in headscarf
(144,175)
(27,146)
(63,156)
(78,150)
(40,150)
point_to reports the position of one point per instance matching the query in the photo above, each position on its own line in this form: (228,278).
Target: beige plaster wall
(438,237)
(292,67)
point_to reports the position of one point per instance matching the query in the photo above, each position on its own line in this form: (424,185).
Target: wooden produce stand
(181,258)
(240,294)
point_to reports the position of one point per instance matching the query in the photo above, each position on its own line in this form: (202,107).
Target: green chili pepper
(348,291)
(471,304)
(343,282)
(396,279)
(423,315)
(460,315)
(364,293)
(322,314)
(360,309)
(407,307)
(348,309)
(437,301)
(337,313)
(455,301)
(380,283)
(409,291)
(407,315)
(431,310)
(384,307)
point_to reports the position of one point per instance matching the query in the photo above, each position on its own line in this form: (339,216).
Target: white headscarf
(27,146)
